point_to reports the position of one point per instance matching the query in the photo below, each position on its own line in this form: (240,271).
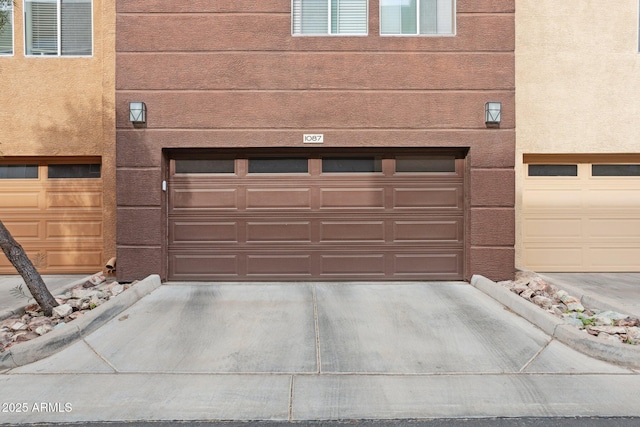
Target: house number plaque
(315,138)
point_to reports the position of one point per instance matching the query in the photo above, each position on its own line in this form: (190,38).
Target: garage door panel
(550,198)
(69,259)
(54,261)
(266,231)
(197,199)
(352,198)
(279,265)
(269,198)
(71,230)
(203,232)
(35,255)
(613,199)
(24,230)
(565,256)
(618,229)
(12,201)
(67,200)
(352,264)
(428,198)
(614,258)
(433,230)
(354,231)
(428,263)
(555,229)
(187,266)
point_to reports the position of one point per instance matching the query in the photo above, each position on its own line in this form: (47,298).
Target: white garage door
(581,216)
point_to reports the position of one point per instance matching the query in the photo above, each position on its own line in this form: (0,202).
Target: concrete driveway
(303,351)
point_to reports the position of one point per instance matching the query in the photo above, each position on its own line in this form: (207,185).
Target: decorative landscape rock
(62,310)
(543,301)
(607,325)
(41,330)
(73,304)
(80,293)
(18,326)
(634,333)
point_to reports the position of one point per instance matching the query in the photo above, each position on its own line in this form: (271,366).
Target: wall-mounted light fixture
(492,114)
(137,113)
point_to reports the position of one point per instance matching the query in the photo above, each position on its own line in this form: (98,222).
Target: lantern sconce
(492,114)
(137,113)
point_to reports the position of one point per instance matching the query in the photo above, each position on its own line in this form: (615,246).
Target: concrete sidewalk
(607,291)
(307,351)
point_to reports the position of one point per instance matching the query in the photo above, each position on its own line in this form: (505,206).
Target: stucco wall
(57,106)
(577,80)
(230,74)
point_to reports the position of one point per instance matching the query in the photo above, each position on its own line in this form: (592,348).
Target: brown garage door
(330,217)
(54,210)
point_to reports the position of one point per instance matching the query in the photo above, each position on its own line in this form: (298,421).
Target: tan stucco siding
(64,106)
(577,83)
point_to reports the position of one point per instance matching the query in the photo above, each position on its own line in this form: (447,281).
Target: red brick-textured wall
(229,74)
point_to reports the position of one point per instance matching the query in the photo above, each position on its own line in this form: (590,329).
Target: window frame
(566,165)
(329,24)
(59,53)
(376,159)
(25,165)
(11,25)
(229,162)
(597,170)
(425,157)
(275,160)
(454,21)
(90,165)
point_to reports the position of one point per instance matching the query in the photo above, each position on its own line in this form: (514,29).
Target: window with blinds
(329,17)
(6,33)
(58,27)
(417,17)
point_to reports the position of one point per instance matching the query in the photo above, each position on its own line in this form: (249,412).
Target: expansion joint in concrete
(291,384)
(317,329)
(109,364)
(535,356)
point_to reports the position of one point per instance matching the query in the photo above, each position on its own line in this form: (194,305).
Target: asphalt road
(482,422)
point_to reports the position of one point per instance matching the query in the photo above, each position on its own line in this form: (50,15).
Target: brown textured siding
(229,74)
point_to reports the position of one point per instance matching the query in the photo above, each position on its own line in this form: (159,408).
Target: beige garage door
(330,217)
(581,214)
(54,210)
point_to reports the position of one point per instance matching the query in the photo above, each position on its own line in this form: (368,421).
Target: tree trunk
(26,269)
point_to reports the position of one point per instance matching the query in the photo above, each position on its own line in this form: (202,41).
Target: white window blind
(6,34)
(58,27)
(349,16)
(314,16)
(41,27)
(75,17)
(417,16)
(444,17)
(323,17)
